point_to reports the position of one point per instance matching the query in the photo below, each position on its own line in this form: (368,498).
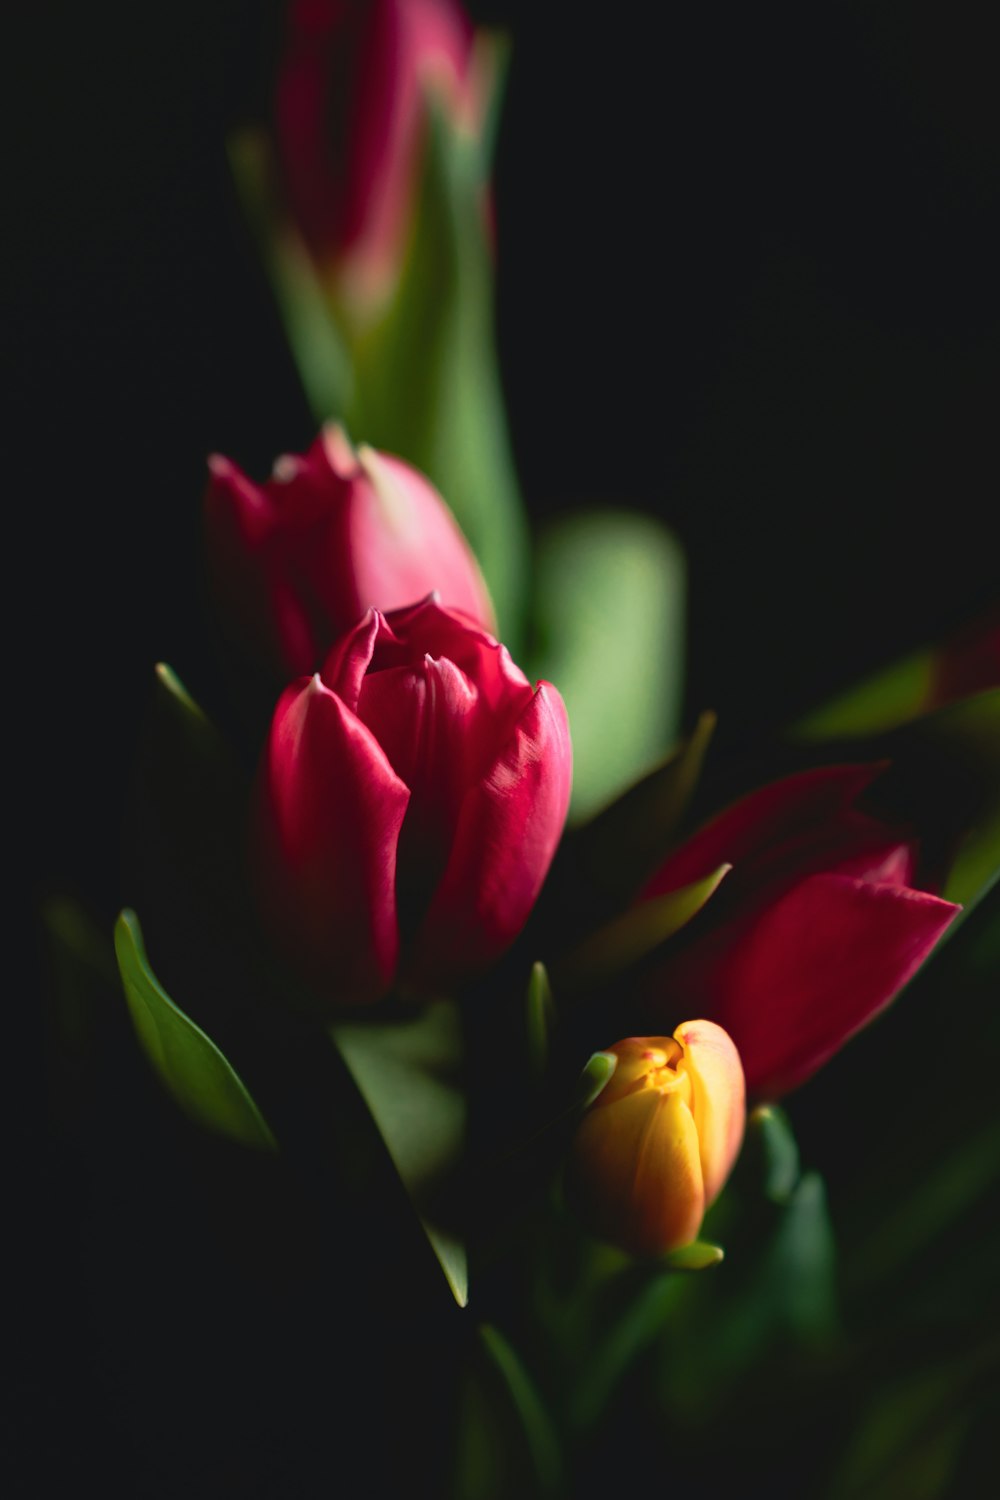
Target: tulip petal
(348,659)
(508,829)
(330,812)
(636,1172)
(814,968)
(768,818)
(443,632)
(718,1099)
(404,539)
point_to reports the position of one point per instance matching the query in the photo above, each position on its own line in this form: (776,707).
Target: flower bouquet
(476,1009)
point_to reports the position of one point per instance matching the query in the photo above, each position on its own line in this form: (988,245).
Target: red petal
(508,829)
(330,812)
(812,969)
(766,820)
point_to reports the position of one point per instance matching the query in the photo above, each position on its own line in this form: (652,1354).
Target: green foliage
(636,934)
(506,1441)
(610,617)
(426,378)
(316,345)
(202,1081)
(539,1019)
(409,1073)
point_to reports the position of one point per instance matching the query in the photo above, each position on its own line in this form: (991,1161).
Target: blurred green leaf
(944,1194)
(598,1072)
(201,1080)
(539,1018)
(890,697)
(635,934)
(911,1435)
(617,851)
(82,968)
(410,1075)
(771,1153)
(427,383)
(973,726)
(507,1444)
(610,605)
(317,347)
(697,1256)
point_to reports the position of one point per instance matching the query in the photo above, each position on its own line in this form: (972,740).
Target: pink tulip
(411,798)
(297,560)
(352,115)
(814,930)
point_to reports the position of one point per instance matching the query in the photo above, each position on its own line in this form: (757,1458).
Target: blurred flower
(411,798)
(653,1151)
(351,115)
(297,561)
(813,931)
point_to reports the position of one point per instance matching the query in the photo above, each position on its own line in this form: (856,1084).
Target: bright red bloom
(812,932)
(412,795)
(297,560)
(351,115)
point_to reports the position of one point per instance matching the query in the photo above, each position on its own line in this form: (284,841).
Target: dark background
(747,279)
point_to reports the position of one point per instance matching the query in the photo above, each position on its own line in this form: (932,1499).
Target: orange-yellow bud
(654,1149)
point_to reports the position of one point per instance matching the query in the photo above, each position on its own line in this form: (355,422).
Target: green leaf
(427,382)
(595,1076)
(771,1152)
(610,589)
(943,1196)
(539,1018)
(317,347)
(82,969)
(507,1443)
(619,849)
(973,726)
(410,1075)
(697,1256)
(635,934)
(890,697)
(202,1081)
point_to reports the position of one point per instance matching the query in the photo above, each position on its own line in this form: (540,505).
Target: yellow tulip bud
(652,1152)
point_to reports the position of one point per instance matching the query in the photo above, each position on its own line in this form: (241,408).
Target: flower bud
(653,1151)
(411,798)
(351,117)
(297,560)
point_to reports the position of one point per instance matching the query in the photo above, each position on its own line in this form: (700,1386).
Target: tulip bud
(411,798)
(653,1151)
(351,116)
(297,561)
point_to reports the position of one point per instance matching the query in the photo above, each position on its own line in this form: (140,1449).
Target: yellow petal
(636,1172)
(718,1099)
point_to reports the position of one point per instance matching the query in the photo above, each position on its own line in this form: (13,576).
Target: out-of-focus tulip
(813,931)
(297,560)
(411,798)
(351,116)
(653,1151)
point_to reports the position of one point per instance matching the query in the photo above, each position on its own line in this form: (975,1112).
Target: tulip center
(667,1073)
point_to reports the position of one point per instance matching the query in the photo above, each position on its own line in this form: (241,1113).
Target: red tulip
(351,115)
(411,798)
(297,560)
(813,931)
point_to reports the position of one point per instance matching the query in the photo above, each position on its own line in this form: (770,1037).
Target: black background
(747,280)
